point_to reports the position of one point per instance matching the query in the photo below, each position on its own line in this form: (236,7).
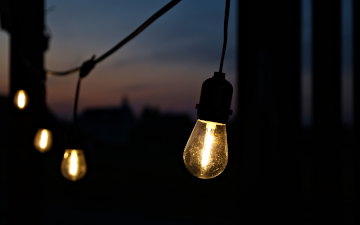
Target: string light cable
(87,66)
(121,43)
(226,24)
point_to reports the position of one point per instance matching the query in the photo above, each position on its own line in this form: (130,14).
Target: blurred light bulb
(43,140)
(73,166)
(21,99)
(206,152)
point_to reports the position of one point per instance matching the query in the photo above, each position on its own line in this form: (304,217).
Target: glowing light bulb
(73,166)
(206,152)
(43,140)
(21,99)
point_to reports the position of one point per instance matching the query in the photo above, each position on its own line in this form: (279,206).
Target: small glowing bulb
(21,99)
(73,166)
(43,140)
(206,152)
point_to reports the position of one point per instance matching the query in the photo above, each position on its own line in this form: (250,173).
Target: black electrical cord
(85,69)
(226,23)
(120,44)
(76,100)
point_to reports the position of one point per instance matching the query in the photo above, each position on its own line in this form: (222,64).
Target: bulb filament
(21,99)
(208,142)
(44,139)
(74,163)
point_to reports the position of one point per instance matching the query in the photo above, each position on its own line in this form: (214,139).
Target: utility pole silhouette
(354,197)
(327,139)
(293,174)
(269,111)
(356,38)
(24,21)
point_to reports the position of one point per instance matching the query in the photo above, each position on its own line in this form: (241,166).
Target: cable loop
(87,67)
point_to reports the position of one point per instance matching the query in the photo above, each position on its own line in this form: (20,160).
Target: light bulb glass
(21,99)
(206,152)
(73,166)
(43,140)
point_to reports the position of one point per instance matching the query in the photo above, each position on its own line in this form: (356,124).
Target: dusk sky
(163,67)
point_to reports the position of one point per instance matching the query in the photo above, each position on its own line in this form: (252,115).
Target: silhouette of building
(110,125)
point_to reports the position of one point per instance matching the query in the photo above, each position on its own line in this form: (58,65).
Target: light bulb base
(215,99)
(74,139)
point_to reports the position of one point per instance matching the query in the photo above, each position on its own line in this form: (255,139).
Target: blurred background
(292,137)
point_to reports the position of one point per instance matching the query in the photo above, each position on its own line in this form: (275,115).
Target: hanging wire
(85,69)
(120,44)
(226,23)
(76,100)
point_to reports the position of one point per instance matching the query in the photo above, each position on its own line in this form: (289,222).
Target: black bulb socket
(75,139)
(215,99)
